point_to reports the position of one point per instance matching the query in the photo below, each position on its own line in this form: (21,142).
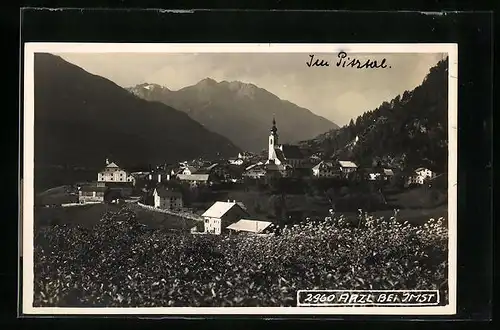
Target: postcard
(259,179)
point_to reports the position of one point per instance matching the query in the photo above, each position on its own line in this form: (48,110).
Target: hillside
(409,131)
(239,111)
(80,119)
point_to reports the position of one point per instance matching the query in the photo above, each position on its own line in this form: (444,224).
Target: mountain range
(241,112)
(407,132)
(81,119)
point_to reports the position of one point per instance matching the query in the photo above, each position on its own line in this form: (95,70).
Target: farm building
(113,173)
(420,176)
(326,169)
(188,170)
(238,161)
(388,173)
(167,199)
(249,226)
(195,180)
(277,171)
(255,171)
(92,194)
(245,155)
(347,166)
(220,215)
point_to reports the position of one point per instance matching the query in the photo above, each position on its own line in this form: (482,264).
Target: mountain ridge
(240,111)
(407,132)
(82,118)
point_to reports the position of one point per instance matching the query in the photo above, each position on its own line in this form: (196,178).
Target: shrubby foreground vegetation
(121,263)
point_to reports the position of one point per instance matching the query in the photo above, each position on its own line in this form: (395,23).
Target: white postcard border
(28,171)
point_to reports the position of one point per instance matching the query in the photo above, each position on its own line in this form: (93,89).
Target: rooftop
(324,164)
(91,188)
(388,171)
(163,191)
(254,226)
(218,209)
(280,155)
(347,163)
(193,177)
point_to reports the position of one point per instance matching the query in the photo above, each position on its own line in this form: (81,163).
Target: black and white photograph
(239,179)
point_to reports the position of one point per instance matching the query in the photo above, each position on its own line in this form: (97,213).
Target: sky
(335,93)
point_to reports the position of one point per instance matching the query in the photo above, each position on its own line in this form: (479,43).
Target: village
(179,189)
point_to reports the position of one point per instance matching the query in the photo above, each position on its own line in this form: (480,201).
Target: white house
(255,171)
(167,199)
(326,169)
(188,170)
(245,155)
(113,173)
(249,226)
(91,194)
(388,174)
(195,180)
(347,166)
(422,174)
(220,215)
(239,161)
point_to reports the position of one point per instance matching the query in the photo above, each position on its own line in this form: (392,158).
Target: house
(113,173)
(163,176)
(245,155)
(255,171)
(219,171)
(423,174)
(374,174)
(220,215)
(120,189)
(388,174)
(277,171)
(91,194)
(238,161)
(167,198)
(195,180)
(347,166)
(326,169)
(188,170)
(293,155)
(249,226)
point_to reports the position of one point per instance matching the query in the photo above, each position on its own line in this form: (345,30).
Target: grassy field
(417,198)
(161,220)
(89,215)
(85,215)
(57,195)
(416,206)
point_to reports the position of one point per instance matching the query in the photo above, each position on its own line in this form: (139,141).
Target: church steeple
(274,129)
(273,141)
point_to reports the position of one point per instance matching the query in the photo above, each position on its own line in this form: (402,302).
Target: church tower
(273,141)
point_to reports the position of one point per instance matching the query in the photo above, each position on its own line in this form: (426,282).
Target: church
(283,156)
